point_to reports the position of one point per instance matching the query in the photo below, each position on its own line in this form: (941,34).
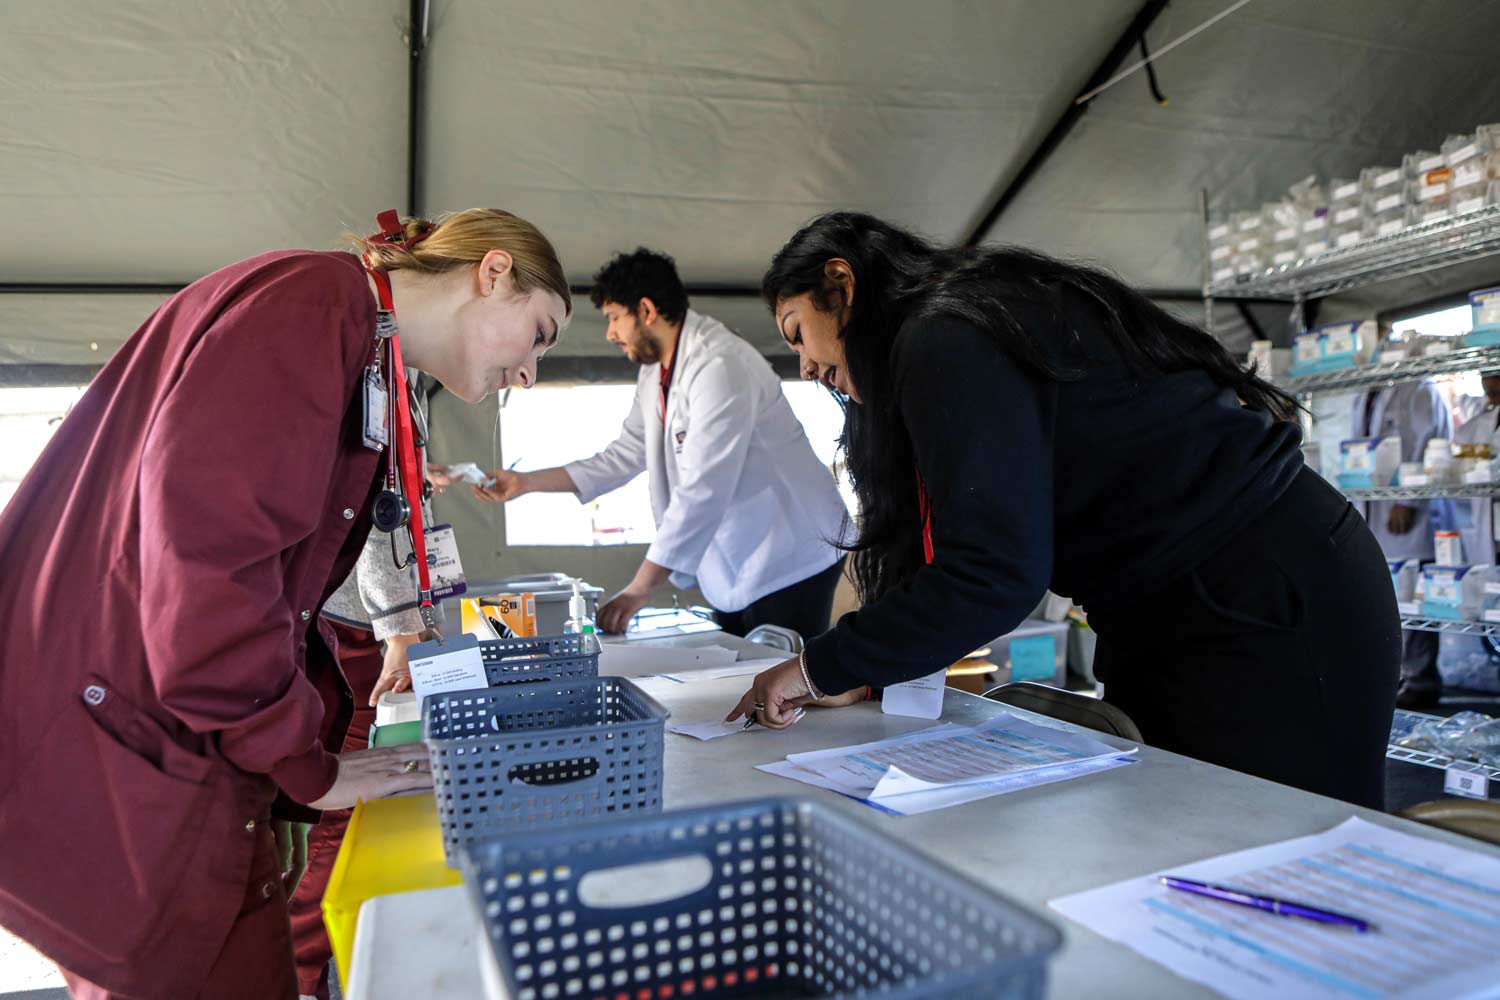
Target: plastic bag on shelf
(1467,661)
(1469,736)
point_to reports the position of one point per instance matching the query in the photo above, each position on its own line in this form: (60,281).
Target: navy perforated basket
(527,755)
(795,899)
(540,658)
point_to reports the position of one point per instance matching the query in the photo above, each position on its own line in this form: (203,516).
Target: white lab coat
(743,507)
(1416,413)
(1475,517)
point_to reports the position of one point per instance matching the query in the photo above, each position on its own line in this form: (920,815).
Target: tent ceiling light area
(145,143)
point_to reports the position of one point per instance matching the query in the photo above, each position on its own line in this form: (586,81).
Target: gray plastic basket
(525,755)
(800,900)
(540,658)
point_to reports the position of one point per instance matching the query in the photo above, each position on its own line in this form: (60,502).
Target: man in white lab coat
(743,507)
(1416,413)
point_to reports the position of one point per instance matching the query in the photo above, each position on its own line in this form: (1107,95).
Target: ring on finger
(408,767)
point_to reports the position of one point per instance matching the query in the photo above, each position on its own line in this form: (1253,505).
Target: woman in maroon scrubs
(167,688)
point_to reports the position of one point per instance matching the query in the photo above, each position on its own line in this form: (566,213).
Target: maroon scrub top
(163,669)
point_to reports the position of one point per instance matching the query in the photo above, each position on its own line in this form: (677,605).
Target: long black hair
(899,276)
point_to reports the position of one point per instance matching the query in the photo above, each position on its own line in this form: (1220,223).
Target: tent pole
(1064,124)
(416,39)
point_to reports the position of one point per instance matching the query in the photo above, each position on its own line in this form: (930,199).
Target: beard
(646,351)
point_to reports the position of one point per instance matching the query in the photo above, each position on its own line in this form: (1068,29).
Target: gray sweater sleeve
(377,595)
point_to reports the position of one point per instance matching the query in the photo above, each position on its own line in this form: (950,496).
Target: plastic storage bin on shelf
(766,898)
(1366,463)
(1485,330)
(539,754)
(540,658)
(1034,651)
(1454,592)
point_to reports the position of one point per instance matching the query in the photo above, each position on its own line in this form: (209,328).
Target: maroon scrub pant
(361,658)
(256,960)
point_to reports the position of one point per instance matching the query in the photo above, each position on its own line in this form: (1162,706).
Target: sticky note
(1033,658)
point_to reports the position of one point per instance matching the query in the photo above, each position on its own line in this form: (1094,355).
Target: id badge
(376,429)
(443,565)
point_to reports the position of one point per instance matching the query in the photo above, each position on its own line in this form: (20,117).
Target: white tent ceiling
(153,141)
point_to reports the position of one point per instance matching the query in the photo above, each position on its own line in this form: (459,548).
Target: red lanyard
(406,449)
(924,509)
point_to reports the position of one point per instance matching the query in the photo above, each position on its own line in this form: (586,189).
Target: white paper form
(945,756)
(641,661)
(714,729)
(1435,907)
(956,795)
(743,668)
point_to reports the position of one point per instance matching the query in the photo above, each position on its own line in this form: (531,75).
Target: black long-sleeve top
(1102,488)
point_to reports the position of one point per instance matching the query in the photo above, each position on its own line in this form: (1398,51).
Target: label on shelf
(1431,162)
(1223,274)
(1307,348)
(1346,215)
(1387,203)
(1348,239)
(1387,178)
(1466,780)
(1387,228)
(1433,189)
(1421,479)
(1219,232)
(1220,253)
(1463,153)
(1345,191)
(1469,173)
(1316,224)
(1314,248)
(1492,587)
(1468,205)
(1285,257)
(1442,587)
(1283,235)
(1434,215)
(1341,341)
(1357,457)
(1409,608)
(1250,245)
(1246,225)
(1394,356)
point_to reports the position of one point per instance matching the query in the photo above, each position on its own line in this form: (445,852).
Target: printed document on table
(946,756)
(955,795)
(1435,907)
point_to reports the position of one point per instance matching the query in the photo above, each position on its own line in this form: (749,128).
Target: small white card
(1458,779)
(713,729)
(453,664)
(919,699)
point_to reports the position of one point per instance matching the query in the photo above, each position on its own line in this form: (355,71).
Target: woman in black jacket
(1015,423)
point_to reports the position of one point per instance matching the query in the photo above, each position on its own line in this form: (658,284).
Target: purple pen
(1280,907)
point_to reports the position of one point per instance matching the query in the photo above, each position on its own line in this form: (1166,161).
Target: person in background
(743,507)
(1017,421)
(170,700)
(1416,413)
(375,618)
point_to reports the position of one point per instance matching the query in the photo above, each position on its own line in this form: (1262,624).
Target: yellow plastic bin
(391,846)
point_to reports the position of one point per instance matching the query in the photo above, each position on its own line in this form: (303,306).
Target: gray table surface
(1033,846)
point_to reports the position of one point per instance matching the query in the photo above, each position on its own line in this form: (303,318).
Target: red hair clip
(392,232)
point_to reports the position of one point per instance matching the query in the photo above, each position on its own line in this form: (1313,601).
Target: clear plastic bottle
(579,622)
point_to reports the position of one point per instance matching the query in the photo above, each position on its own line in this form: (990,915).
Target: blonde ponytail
(461,239)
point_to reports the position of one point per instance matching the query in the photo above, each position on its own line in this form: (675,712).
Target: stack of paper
(1435,910)
(948,765)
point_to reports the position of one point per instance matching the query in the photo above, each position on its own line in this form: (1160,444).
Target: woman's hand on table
(374,774)
(776,694)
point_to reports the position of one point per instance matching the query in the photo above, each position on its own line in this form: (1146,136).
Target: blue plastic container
(799,900)
(540,658)
(537,755)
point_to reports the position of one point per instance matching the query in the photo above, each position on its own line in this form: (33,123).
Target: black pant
(805,607)
(1278,656)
